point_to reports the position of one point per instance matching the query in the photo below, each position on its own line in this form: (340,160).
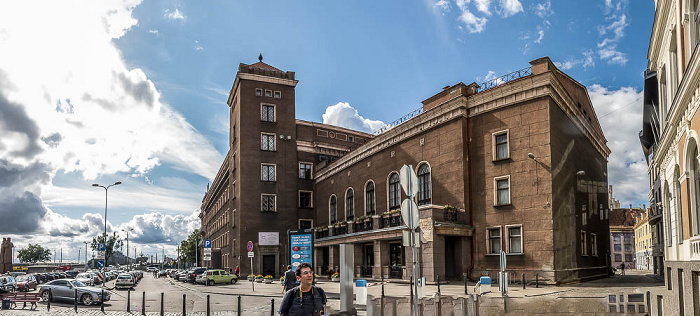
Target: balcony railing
(396,272)
(391,221)
(322,233)
(363,226)
(341,230)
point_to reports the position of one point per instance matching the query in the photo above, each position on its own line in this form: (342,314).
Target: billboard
(301,247)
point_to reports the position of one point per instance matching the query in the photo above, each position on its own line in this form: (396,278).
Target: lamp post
(127,248)
(104,239)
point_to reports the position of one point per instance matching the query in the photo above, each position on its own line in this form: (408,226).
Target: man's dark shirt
(307,304)
(290,279)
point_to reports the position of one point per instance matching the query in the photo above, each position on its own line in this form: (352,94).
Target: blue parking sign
(100,264)
(101,247)
(207,243)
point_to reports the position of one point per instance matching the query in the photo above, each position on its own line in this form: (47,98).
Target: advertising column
(301,246)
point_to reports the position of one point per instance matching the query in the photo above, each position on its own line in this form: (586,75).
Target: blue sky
(136,91)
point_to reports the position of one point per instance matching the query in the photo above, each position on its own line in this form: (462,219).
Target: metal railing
(495,82)
(363,226)
(399,121)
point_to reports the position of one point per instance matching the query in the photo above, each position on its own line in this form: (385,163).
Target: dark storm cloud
(11,174)
(13,118)
(53,140)
(21,214)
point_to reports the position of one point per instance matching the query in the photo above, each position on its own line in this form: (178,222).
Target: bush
(268,277)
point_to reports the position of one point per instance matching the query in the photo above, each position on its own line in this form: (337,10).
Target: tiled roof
(623,217)
(263,65)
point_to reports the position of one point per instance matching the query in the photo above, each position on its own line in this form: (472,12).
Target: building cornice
(259,78)
(333,127)
(658,29)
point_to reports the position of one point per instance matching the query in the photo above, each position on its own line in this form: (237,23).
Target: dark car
(64,289)
(194,273)
(26,282)
(72,274)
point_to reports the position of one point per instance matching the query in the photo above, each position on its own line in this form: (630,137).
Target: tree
(34,253)
(113,242)
(189,246)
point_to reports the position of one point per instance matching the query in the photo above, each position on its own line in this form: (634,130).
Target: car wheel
(233,281)
(46,296)
(86,299)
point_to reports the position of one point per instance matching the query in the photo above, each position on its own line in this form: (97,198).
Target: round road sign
(250,246)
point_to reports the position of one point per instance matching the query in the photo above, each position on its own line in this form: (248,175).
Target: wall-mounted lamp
(532,156)
(581,173)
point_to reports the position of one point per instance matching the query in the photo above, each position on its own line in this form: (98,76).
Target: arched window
(349,205)
(394,193)
(677,205)
(695,177)
(370,203)
(334,209)
(424,195)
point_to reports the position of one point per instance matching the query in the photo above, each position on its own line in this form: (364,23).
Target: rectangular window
(500,145)
(305,199)
(584,244)
(268,142)
(618,257)
(494,240)
(269,203)
(268,93)
(617,248)
(305,223)
(584,215)
(515,239)
(502,193)
(258,92)
(305,170)
(628,257)
(628,248)
(616,238)
(267,172)
(278,94)
(594,244)
(267,113)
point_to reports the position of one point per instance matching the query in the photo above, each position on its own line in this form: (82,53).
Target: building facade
(622,241)
(517,164)
(670,141)
(643,243)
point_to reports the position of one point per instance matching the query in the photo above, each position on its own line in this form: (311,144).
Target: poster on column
(301,247)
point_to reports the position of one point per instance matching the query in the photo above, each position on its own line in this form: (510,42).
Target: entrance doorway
(368,261)
(450,257)
(268,265)
(396,261)
(325,258)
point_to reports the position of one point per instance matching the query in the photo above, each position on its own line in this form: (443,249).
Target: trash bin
(361,292)
(5,303)
(485,284)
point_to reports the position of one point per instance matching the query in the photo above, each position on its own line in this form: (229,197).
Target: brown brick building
(518,164)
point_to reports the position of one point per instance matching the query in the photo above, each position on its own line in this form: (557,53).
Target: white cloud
(154,32)
(540,36)
(483,6)
(613,33)
(197,46)
(510,7)
(462,4)
(474,24)
(585,61)
(442,5)
(620,117)
(544,9)
(344,115)
(588,59)
(174,15)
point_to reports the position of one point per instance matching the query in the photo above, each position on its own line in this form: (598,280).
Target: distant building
(612,202)
(643,243)
(622,247)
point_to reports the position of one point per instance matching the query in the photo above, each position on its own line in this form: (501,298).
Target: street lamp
(105,231)
(127,247)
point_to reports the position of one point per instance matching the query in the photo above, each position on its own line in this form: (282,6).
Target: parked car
(193,273)
(162,272)
(151,269)
(64,289)
(26,282)
(125,281)
(86,278)
(216,276)
(8,284)
(16,274)
(72,273)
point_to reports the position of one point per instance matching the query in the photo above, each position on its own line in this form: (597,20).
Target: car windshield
(77,283)
(124,277)
(83,276)
(22,278)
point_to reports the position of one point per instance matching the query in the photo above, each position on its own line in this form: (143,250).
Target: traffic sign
(101,255)
(250,246)
(207,251)
(100,264)
(207,243)
(101,247)
(407,239)
(251,254)
(206,257)
(408,180)
(409,213)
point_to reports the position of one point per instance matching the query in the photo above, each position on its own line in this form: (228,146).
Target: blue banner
(300,249)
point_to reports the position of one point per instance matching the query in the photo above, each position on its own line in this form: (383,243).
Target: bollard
(438,281)
(162,296)
(381,302)
(143,304)
(128,300)
(183,304)
(75,301)
(102,301)
(411,288)
(466,286)
(48,302)
(272,309)
(239,306)
(537,280)
(208,312)
(522,280)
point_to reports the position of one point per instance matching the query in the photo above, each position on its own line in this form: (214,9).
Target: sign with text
(301,247)
(101,247)
(251,254)
(268,238)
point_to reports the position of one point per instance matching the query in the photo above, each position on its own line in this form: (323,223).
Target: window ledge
(501,160)
(515,254)
(493,254)
(502,205)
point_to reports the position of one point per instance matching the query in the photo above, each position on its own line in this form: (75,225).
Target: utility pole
(86,260)
(78,255)
(61,261)
(178,257)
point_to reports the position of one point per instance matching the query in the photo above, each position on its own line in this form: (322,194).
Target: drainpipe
(471,210)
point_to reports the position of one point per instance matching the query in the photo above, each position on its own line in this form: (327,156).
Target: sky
(135,91)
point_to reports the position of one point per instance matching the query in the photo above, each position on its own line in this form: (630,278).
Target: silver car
(8,284)
(86,278)
(64,289)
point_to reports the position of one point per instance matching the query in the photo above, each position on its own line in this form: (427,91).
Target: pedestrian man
(289,279)
(238,271)
(305,299)
(622,268)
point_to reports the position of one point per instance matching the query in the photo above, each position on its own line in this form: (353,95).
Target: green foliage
(113,242)
(34,253)
(189,246)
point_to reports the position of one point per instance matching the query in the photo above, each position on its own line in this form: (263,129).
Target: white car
(86,278)
(124,281)
(151,269)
